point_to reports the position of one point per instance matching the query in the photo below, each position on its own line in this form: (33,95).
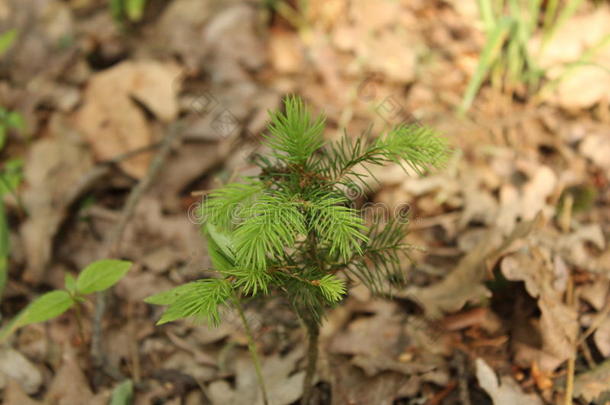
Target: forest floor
(507,298)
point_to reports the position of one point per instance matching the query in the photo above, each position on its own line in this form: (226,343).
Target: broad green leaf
(101,275)
(15,120)
(6,40)
(11,176)
(45,307)
(116,9)
(134,9)
(122,393)
(70,283)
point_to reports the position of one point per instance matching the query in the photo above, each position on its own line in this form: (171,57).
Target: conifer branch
(294,135)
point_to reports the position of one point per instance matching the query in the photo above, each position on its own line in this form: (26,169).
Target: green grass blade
(492,48)
(487,14)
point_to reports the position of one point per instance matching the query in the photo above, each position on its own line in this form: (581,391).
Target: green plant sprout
(292,229)
(9,120)
(507,58)
(132,10)
(98,276)
(10,178)
(7,39)
(10,175)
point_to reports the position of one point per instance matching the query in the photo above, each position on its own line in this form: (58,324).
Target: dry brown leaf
(283,386)
(14,395)
(233,42)
(391,53)
(464,283)
(113,123)
(558,321)
(509,208)
(574,248)
(138,285)
(378,341)
(595,293)
(372,336)
(576,92)
(70,384)
(597,148)
(374,15)
(286,51)
(180,30)
(569,43)
(14,365)
(593,383)
(351,386)
(503,391)
(602,338)
(479,205)
(150,230)
(536,191)
(52,172)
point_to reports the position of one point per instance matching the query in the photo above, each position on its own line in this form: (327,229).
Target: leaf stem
(79,321)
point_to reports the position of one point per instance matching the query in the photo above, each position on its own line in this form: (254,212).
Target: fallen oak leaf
(113,123)
(464,284)
(591,384)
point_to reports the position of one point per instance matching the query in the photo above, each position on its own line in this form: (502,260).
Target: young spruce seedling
(292,228)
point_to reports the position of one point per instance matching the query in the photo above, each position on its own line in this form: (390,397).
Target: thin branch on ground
(114,241)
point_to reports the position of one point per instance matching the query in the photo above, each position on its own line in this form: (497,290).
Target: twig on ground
(114,241)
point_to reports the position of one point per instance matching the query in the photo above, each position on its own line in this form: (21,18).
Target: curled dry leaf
(112,121)
(558,321)
(52,172)
(591,384)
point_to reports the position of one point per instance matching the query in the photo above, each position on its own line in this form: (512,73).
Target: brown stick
(114,241)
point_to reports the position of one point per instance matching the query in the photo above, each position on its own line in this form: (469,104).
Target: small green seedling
(9,120)
(97,276)
(293,230)
(10,178)
(131,10)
